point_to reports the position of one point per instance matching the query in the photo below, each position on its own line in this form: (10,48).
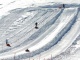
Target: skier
(7,44)
(36,25)
(63,5)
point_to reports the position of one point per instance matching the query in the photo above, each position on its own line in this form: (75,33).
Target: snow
(58,28)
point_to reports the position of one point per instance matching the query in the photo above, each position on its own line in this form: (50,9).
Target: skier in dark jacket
(36,25)
(63,5)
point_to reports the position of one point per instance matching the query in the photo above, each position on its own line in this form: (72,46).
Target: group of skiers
(27,50)
(36,27)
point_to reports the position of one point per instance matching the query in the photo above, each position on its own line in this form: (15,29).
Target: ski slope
(58,28)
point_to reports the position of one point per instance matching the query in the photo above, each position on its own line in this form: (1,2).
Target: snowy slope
(58,29)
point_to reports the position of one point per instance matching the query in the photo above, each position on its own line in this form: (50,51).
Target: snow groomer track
(38,33)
